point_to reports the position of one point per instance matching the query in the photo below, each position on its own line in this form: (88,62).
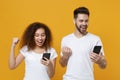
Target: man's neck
(79,35)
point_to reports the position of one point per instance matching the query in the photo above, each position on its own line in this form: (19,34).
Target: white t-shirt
(80,66)
(34,70)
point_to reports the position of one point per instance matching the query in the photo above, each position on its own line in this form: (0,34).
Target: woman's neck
(39,49)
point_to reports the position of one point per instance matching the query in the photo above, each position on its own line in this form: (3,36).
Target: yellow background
(15,15)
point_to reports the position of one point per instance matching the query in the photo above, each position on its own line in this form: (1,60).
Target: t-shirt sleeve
(23,51)
(53,54)
(62,45)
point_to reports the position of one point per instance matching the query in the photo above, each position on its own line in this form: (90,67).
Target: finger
(15,40)
(46,59)
(45,62)
(93,57)
(100,54)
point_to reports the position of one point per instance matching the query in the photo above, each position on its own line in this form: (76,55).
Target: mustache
(78,27)
(83,26)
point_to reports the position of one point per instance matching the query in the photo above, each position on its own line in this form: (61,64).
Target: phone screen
(46,55)
(97,49)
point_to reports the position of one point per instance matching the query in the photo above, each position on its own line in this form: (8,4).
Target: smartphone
(46,55)
(97,49)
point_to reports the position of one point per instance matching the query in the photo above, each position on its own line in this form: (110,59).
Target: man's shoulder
(68,36)
(93,35)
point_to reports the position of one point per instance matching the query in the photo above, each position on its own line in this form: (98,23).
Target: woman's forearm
(12,58)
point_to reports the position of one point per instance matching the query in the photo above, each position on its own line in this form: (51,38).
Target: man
(77,49)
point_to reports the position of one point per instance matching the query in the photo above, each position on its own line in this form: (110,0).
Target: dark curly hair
(28,36)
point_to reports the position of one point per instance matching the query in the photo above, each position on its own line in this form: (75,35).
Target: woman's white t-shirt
(34,70)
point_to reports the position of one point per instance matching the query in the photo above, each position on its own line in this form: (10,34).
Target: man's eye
(81,20)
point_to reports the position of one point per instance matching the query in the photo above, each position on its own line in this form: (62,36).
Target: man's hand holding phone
(97,49)
(96,55)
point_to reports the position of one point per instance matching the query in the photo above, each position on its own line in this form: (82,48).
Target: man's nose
(84,23)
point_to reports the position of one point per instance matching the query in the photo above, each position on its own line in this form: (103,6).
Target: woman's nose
(40,37)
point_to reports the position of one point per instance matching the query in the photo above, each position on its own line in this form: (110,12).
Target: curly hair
(28,36)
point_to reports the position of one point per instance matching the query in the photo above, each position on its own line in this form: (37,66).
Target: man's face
(81,23)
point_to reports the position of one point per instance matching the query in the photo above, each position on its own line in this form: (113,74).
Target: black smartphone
(97,49)
(46,55)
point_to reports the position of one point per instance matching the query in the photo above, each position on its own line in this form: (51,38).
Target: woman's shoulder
(53,52)
(51,49)
(24,48)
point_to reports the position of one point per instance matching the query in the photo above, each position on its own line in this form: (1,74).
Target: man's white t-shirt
(34,70)
(80,66)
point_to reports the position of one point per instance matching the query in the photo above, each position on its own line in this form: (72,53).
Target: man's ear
(74,21)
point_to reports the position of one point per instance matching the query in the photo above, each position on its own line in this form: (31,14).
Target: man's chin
(83,32)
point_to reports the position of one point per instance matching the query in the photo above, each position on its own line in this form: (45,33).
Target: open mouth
(83,28)
(39,42)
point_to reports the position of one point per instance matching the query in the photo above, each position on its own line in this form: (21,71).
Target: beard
(82,28)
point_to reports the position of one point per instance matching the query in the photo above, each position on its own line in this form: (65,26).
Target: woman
(35,42)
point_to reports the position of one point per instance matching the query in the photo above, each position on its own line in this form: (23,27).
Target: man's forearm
(103,63)
(63,61)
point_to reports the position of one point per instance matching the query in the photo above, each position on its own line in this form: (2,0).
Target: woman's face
(40,37)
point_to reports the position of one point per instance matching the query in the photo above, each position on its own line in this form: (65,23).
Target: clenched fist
(15,41)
